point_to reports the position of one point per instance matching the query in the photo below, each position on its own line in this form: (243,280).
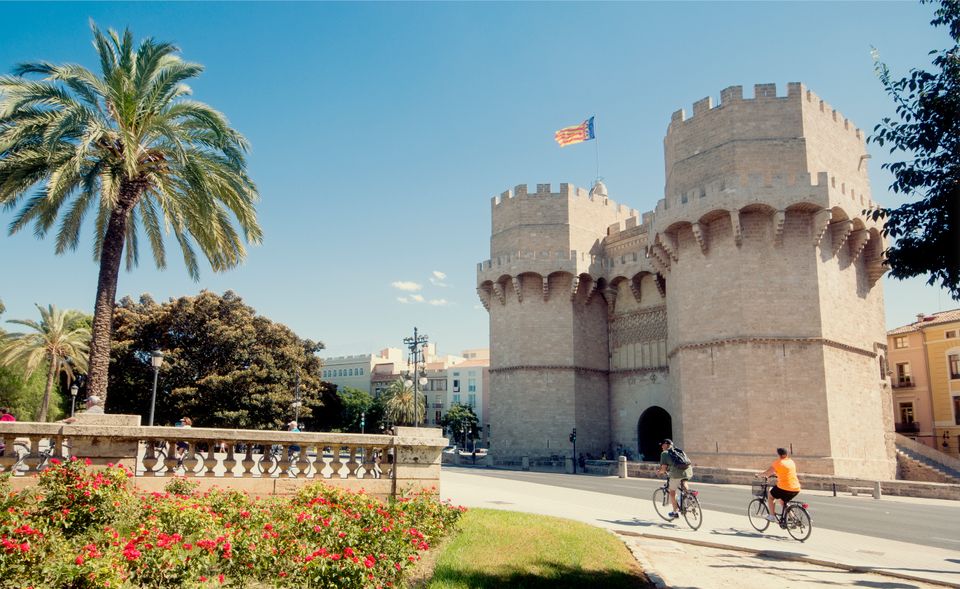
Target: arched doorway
(654,425)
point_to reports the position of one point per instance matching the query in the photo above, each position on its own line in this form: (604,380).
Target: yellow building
(924,360)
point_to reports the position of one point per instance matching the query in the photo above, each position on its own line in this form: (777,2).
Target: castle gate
(655,424)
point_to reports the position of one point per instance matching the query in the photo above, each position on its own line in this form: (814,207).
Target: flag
(575,134)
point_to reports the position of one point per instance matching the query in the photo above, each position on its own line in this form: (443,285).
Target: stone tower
(743,314)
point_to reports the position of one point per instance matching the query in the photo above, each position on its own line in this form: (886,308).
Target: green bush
(84,528)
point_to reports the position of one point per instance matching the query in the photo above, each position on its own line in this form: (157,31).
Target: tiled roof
(929,320)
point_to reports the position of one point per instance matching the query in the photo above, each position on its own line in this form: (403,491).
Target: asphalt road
(929,523)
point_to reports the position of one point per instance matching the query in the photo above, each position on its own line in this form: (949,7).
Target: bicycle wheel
(757,512)
(692,512)
(661,503)
(798,521)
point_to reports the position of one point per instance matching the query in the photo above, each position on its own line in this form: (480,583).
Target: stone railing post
(417,462)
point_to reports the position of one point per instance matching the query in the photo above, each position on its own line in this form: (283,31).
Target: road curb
(648,569)
(794,557)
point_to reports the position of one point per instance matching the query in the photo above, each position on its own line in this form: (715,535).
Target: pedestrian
(293,426)
(6,415)
(582,461)
(93,407)
(183,446)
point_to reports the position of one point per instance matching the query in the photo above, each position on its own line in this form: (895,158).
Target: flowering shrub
(84,528)
(75,498)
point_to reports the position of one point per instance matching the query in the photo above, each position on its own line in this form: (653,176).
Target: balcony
(911,427)
(903,382)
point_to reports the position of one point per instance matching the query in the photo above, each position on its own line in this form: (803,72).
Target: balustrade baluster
(192,460)
(210,461)
(248,463)
(171,460)
(352,462)
(302,463)
(150,459)
(283,461)
(9,457)
(341,463)
(230,462)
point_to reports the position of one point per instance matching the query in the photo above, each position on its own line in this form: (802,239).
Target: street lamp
(416,345)
(297,403)
(73,398)
(156,360)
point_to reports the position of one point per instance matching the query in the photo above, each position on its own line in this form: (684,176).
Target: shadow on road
(641,523)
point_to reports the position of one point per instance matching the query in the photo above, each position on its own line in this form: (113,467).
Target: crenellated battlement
(521,192)
(762,93)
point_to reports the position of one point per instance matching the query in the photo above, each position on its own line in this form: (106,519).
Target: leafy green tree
(400,406)
(927,130)
(127,146)
(460,422)
(24,396)
(329,418)
(223,365)
(59,340)
(355,403)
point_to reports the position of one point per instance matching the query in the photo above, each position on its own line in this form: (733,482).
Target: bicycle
(795,519)
(687,501)
(22,452)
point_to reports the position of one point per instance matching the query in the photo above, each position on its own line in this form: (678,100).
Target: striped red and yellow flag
(575,134)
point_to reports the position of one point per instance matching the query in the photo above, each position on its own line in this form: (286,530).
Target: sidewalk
(733,551)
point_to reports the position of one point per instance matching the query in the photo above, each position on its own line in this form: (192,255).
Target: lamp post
(156,360)
(416,345)
(73,398)
(297,403)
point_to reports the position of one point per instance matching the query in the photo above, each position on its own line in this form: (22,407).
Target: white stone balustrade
(268,462)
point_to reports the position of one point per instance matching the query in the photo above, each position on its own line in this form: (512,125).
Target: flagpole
(596,138)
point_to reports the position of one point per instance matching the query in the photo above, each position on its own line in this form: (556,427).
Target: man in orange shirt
(788,485)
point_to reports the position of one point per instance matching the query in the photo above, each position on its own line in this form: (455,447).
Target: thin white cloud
(406,285)
(439,302)
(417,298)
(437,279)
(403,300)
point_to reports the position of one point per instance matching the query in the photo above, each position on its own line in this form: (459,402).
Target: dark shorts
(778,493)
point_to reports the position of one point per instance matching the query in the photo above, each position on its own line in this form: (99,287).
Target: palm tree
(61,339)
(129,147)
(400,405)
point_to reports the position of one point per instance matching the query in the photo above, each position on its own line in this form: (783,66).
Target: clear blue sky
(380,131)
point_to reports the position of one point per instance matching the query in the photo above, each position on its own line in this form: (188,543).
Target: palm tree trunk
(110,256)
(51,375)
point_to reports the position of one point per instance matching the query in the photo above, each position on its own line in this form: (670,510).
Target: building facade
(450,379)
(358,371)
(743,313)
(925,369)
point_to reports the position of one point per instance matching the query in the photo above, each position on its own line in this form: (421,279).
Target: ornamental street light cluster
(416,345)
(156,360)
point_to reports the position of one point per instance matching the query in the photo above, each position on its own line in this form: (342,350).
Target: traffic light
(573,436)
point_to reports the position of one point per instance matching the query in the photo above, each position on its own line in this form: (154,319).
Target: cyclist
(788,485)
(677,477)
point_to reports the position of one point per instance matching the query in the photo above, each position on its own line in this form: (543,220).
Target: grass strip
(508,549)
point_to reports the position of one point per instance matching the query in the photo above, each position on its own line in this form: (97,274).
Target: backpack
(678,458)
